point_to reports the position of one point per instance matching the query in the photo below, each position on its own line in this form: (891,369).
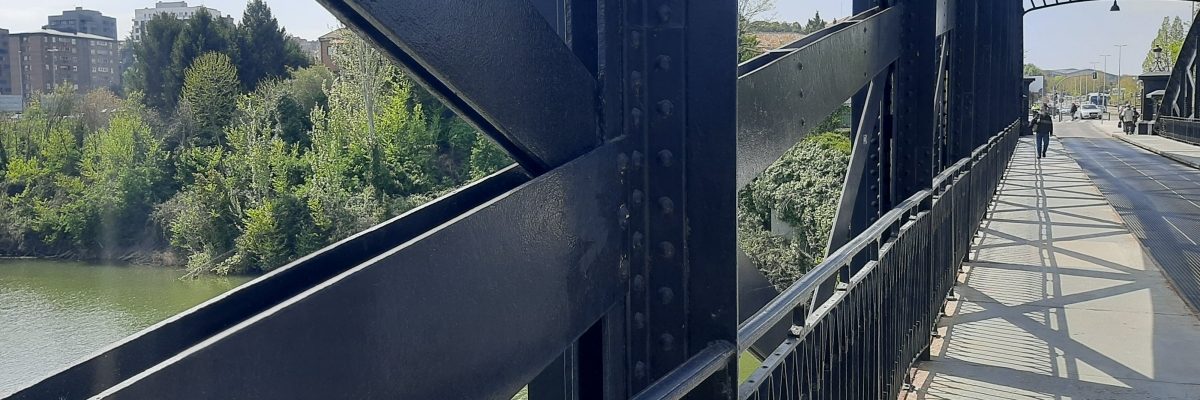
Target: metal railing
(1182,129)
(860,342)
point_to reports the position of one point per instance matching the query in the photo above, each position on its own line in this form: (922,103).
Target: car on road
(1064,109)
(1089,111)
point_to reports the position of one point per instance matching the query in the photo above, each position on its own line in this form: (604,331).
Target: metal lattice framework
(1178,116)
(605,265)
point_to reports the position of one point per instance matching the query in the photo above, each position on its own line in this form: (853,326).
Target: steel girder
(611,272)
(1180,98)
(606,271)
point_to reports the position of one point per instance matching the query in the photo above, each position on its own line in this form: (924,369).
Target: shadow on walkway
(1059,301)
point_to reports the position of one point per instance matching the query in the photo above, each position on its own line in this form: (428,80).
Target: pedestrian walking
(1128,119)
(1074,109)
(1043,127)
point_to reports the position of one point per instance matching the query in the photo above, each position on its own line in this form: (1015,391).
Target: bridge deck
(1060,300)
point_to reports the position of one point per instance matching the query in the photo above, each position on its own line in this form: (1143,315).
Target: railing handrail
(755,327)
(677,384)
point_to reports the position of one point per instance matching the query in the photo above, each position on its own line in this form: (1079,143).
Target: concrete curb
(1177,159)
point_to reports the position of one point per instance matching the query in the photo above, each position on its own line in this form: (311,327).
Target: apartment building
(7,57)
(49,58)
(80,20)
(179,9)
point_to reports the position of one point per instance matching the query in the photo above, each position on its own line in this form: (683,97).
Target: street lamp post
(1104,81)
(1119,74)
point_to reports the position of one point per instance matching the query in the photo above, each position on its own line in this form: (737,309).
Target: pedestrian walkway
(1059,300)
(1185,153)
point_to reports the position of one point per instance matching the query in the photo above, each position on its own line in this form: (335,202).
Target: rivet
(664,108)
(639,370)
(636,39)
(636,78)
(636,113)
(664,13)
(801,93)
(667,342)
(800,66)
(666,249)
(666,295)
(623,267)
(622,162)
(623,212)
(664,62)
(639,283)
(803,121)
(638,159)
(796,330)
(639,320)
(636,197)
(637,240)
(665,158)
(666,205)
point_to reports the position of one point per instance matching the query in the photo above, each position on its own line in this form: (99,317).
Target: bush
(801,190)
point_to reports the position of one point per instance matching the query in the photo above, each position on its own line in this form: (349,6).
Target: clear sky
(1070,36)
(303,18)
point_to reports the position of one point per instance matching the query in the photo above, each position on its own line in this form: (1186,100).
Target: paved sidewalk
(1060,301)
(1185,153)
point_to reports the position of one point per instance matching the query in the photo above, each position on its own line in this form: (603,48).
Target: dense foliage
(257,47)
(801,191)
(814,24)
(232,180)
(1170,37)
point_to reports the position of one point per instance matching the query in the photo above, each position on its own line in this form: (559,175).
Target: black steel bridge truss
(605,264)
(1178,115)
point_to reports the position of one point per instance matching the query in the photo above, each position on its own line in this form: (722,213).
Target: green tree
(151,70)
(121,166)
(210,89)
(1170,37)
(1033,70)
(749,10)
(263,48)
(814,24)
(487,158)
(203,33)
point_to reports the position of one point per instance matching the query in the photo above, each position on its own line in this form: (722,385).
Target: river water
(53,313)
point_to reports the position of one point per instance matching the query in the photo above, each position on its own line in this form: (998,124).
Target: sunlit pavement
(1059,299)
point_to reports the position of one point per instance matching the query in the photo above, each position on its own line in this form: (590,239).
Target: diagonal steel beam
(143,350)
(789,91)
(868,124)
(497,63)
(472,309)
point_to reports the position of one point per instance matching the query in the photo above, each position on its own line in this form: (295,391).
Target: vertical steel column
(680,75)
(986,70)
(594,367)
(1017,24)
(915,81)
(963,79)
